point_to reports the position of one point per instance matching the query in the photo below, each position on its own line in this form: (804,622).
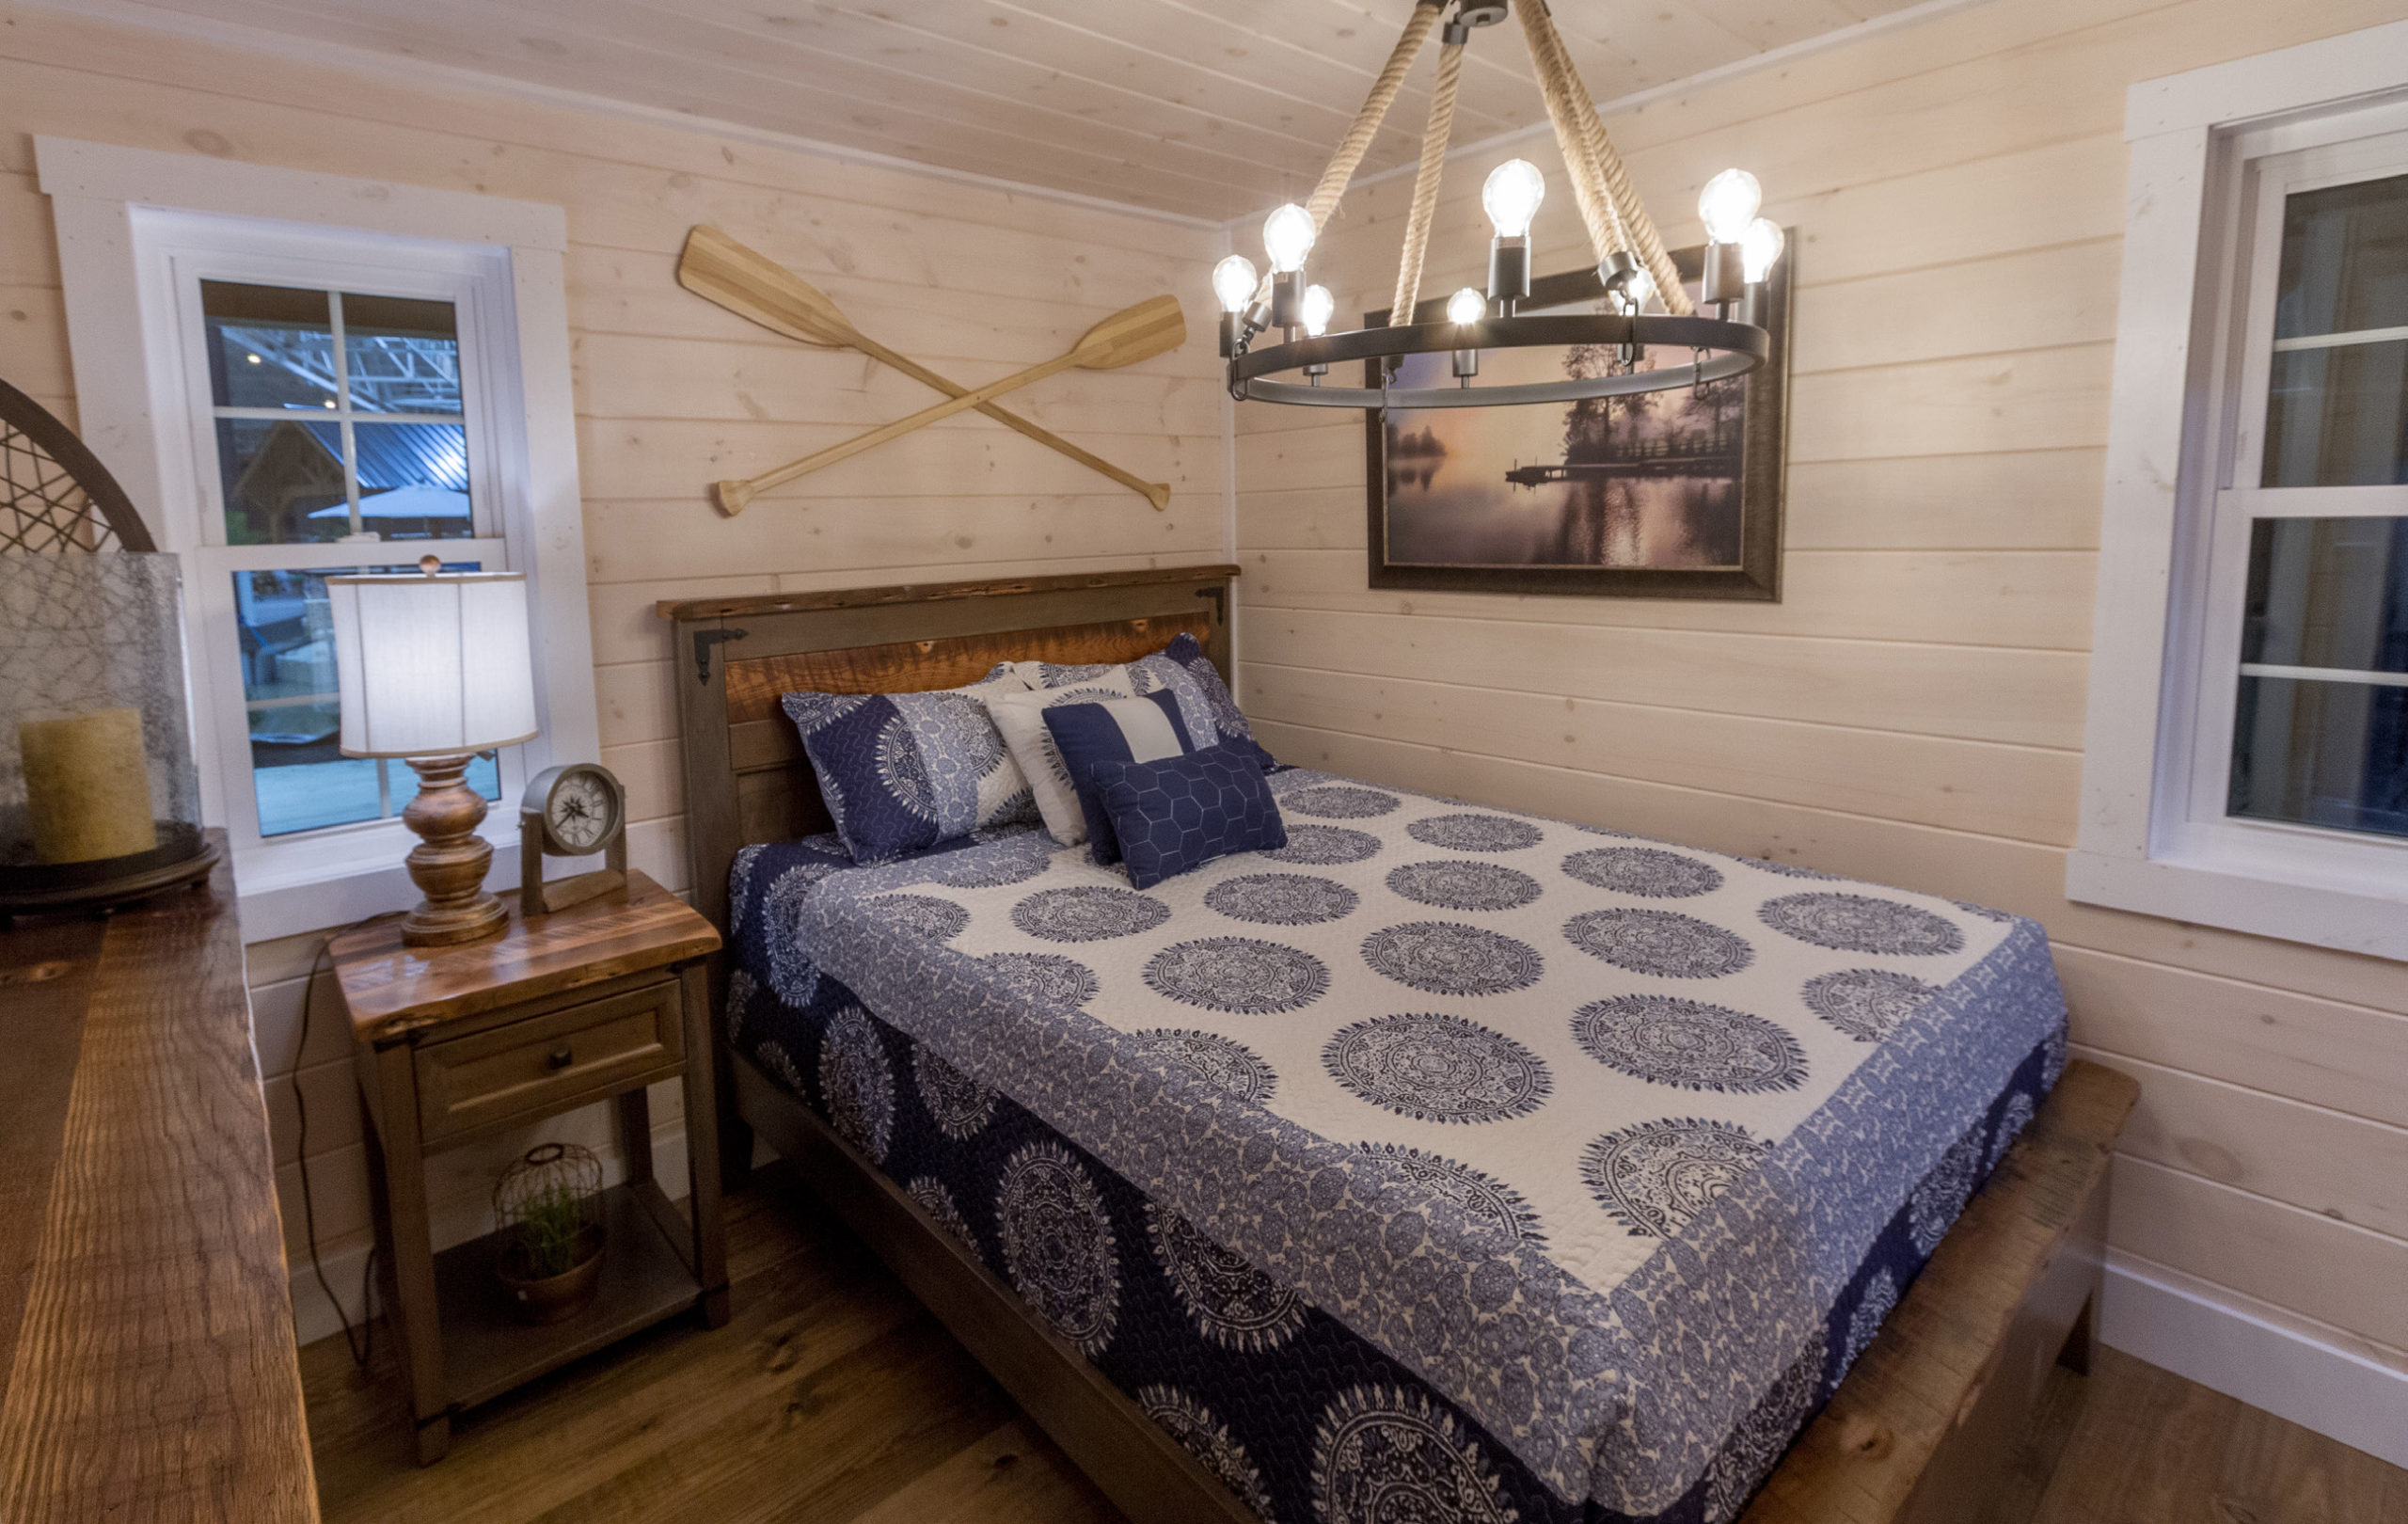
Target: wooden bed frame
(1927,1418)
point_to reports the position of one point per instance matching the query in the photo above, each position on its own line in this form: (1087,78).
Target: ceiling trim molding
(421,70)
(1739,68)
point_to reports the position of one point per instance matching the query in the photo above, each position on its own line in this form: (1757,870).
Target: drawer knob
(560,1057)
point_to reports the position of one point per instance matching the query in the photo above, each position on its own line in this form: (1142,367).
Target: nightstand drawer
(528,1065)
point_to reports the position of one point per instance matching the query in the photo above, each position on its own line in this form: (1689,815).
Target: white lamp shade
(432,666)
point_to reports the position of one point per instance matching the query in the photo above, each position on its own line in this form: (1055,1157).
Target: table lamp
(434,669)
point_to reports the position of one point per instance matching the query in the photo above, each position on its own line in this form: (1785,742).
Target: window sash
(2191,820)
(333,263)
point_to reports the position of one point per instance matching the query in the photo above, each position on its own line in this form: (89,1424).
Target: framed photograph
(1657,495)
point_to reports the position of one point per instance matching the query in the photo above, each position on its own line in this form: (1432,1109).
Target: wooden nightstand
(455,1044)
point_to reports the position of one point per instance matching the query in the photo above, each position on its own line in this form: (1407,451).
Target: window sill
(2353,921)
(279,896)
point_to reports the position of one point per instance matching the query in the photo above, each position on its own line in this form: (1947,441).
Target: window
(2270,792)
(298,376)
(326,418)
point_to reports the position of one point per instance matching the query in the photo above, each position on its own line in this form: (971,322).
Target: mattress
(1549,1171)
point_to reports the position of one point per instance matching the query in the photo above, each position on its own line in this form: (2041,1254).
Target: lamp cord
(362,1344)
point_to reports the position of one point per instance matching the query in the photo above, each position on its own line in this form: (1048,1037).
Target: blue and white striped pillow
(1147,729)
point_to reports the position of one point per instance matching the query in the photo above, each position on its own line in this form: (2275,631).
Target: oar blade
(1151,327)
(751,285)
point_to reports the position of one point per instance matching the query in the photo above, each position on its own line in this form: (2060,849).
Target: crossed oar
(750,284)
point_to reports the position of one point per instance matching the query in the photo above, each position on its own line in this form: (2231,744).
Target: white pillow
(1022,719)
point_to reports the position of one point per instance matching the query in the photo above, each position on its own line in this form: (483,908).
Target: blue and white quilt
(1622,1148)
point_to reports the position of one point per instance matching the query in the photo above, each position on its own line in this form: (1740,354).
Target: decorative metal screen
(55,495)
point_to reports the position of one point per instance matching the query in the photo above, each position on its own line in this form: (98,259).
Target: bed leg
(2075,1355)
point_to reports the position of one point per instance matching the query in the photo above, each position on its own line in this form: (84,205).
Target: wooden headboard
(747,779)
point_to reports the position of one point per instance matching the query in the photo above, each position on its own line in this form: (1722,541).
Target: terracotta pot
(552,1299)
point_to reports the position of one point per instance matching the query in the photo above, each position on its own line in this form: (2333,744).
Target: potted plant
(550,1241)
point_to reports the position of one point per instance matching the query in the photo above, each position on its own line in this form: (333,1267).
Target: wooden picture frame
(1408,532)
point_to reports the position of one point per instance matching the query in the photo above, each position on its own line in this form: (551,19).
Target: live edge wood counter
(147,1364)
(589,1004)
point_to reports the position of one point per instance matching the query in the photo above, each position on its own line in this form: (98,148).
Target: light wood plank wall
(1913,711)
(671,394)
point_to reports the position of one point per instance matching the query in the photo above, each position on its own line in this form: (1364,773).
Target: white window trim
(2135,848)
(133,406)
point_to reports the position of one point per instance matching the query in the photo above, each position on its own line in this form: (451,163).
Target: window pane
(282,480)
(269,346)
(413,481)
(301,779)
(2345,259)
(2337,415)
(2321,753)
(404,354)
(2328,592)
(2337,405)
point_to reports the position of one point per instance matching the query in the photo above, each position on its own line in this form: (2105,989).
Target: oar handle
(920,419)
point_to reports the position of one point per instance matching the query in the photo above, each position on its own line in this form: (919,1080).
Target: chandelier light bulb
(1233,282)
(1728,204)
(1512,197)
(1287,236)
(1760,247)
(1466,306)
(1319,308)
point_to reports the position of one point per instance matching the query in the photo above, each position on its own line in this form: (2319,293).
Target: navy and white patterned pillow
(1182,812)
(1115,730)
(1213,716)
(1022,719)
(905,771)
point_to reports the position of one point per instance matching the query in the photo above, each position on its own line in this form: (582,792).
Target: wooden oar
(1151,327)
(751,285)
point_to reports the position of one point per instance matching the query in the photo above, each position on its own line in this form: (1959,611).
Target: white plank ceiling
(1210,108)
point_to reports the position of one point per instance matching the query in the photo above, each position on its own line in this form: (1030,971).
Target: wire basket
(549,1241)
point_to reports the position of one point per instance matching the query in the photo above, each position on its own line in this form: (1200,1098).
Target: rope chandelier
(1646,305)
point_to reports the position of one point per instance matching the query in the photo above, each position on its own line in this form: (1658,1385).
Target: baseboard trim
(2247,1349)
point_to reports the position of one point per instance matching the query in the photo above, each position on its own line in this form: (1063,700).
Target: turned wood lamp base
(449,862)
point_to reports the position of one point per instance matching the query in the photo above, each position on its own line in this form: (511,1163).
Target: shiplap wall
(673,394)
(1913,711)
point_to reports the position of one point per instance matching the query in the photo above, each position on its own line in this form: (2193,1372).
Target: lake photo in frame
(1659,494)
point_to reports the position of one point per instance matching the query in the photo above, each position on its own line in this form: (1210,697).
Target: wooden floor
(832,1397)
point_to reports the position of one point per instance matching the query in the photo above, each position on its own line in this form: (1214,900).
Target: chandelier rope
(1425,181)
(1574,113)
(1358,142)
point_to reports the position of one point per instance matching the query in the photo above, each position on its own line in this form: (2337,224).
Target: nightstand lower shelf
(486,1352)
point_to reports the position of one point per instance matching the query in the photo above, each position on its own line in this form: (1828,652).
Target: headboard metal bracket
(703,640)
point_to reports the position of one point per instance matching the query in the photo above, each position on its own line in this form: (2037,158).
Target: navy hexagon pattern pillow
(1182,812)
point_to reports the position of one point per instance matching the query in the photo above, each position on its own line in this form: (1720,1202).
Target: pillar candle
(87,788)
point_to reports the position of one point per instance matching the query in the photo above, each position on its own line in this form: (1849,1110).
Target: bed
(1449,1159)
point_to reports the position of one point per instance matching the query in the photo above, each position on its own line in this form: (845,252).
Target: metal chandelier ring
(1737,349)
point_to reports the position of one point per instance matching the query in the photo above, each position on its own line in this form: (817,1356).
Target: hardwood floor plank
(838,1438)
(1012,1475)
(2148,1450)
(2275,1470)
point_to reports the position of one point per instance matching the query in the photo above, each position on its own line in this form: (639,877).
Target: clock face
(583,811)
